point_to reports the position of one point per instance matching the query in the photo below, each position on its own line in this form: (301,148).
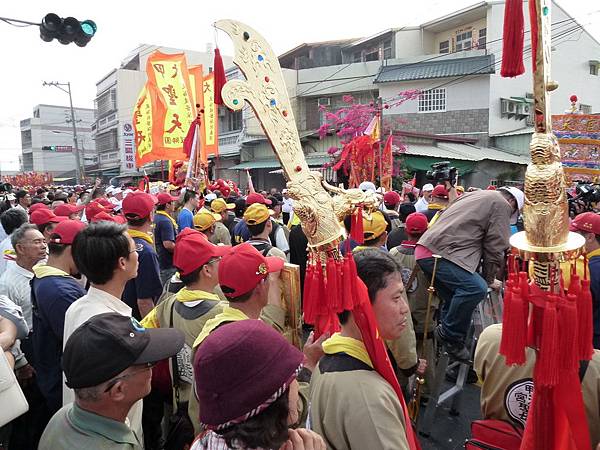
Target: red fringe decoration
(309,301)
(539,429)
(534,34)
(356,227)
(333,294)
(546,368)
(219,79)
(567,324)
(347,282)
(512,46)
(584,319)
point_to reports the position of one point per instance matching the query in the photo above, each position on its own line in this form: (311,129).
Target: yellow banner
(210,137)
(142,125)
(169,75)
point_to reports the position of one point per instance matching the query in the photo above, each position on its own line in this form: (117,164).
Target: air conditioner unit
(523,109)
(324,101)
(512,107)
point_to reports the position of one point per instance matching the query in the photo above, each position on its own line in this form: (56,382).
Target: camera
(442,171)
(585,195)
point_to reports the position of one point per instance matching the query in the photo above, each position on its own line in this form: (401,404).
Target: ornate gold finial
(265,90)
(546,211)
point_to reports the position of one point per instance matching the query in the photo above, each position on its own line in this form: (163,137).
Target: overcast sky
(122,25)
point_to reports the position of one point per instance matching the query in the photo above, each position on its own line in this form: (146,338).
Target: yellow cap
(257,213)
(375,226)
(204,219)
(219,205)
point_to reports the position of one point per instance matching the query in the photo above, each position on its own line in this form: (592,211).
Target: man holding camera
(475,226)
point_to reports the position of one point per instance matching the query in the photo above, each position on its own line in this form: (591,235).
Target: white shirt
(287,206)
(14,283)
(421,205)
(5,246)
(97,302)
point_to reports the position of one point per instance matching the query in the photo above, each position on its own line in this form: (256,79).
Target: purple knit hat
(240,369)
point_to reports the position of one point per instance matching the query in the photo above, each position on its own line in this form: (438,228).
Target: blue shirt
(147,283)
(241,233)
(594,266)
(51,296)
(185,219)
(163,231)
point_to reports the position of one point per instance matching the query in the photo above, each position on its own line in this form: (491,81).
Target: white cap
(109,190)
(210,197)
(427,187)
(367,186)
(519,197)
(10,197)
(126,192)
(117,190)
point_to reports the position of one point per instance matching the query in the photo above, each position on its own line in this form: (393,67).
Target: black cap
(109,343)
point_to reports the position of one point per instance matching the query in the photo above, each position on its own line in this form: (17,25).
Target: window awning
(414,163)
(274,163)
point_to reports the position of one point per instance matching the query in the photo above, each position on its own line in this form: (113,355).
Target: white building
(115,101)
(47,140)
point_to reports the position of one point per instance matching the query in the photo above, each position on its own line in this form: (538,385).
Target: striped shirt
(14,283)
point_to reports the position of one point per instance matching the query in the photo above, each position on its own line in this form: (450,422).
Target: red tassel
(332,287)
(219,79)
(347,302)
(567,325)
(308,300)
(512,46)
(356,227)
(517,338)
(584,320)
(539,429)
(546,368)
(534,34)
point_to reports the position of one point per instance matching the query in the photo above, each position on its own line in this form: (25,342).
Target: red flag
(387,163)
(188,142)
(220,79)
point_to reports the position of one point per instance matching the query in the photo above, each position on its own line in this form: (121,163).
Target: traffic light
(67,30)
(49,148)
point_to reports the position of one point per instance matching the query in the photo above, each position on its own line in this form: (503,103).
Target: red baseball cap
(257,198)
(37,206)
(588,222)
(42,216)
(103,215)
(416,223)
(105,202)
(440,191)
(138,204)
(391,198)
(243,267)
(66,231)
(164,198)
(193,250)
(66,209)
(94,208)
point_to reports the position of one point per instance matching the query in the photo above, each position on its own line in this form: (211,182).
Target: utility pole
(79,170)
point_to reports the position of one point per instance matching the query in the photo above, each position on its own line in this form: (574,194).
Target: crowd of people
(137,320)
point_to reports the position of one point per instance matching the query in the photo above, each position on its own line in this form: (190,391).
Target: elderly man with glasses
(108,362)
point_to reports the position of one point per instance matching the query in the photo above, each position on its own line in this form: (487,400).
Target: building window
(25,138)
(433,100)
(107,102)
(482,38)
(387,49)
(107,141)
(593,69)
(445,47)
(357,57)
(463,41)
(585,109)
(230,120)
(372,55)
(36,113)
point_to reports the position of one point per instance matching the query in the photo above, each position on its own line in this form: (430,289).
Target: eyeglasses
(138,248)
(114,381)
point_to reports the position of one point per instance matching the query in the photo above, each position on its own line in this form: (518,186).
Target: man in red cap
(391,200)
(165,231)
(93,208)
(588,225)
(46,221)
(141,292)
(69,210)
(53,289)
(439,202)
(197,261)
(416,287)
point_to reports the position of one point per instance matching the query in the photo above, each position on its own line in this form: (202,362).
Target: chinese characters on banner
(579,139)
(128,163)
(210,123)
(27,179)
(167,106)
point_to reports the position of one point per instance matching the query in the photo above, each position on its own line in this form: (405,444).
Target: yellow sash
(164,213)
(140,234)
(229,314)
(188,295)
(48,271)
(342,344)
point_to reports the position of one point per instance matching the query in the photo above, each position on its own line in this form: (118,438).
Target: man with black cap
(108,363)
(165,231)
(397,235)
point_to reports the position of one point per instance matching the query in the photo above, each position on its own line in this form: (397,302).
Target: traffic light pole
(79,170)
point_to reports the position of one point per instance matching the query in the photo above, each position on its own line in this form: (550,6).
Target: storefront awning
(414,163)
